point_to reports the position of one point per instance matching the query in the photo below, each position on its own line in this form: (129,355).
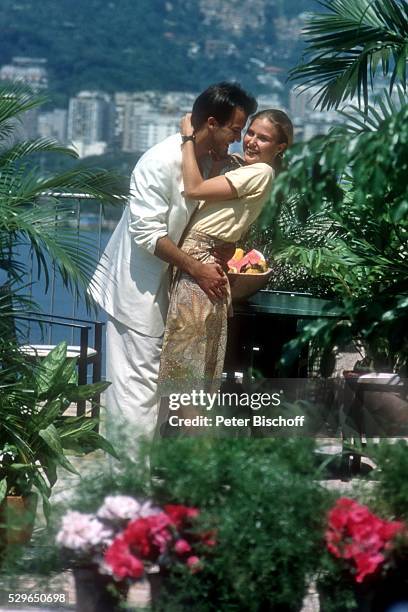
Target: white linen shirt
(130,283)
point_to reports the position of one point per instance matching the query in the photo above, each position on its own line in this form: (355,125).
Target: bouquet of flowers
(366,542)
(126,538)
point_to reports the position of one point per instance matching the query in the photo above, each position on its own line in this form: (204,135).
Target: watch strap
(187,138)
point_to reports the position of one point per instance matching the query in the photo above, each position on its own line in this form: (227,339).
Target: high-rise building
(129,107)
(53,124)
(142,120)
(32,72)
(302,100)
(90,122)
(149,128)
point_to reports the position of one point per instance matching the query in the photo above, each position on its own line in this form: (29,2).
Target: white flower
(124,508)
(146,509)
(82,532)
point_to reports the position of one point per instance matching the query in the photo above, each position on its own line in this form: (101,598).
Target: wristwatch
(187,138)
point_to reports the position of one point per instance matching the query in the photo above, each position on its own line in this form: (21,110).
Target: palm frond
(29,201)
(346,45)
(15,99)
(21,150)
(371,118)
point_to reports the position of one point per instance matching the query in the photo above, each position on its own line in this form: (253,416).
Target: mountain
(129,45)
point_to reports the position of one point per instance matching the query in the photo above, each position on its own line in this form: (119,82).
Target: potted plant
(238,523)
(364,567)
(35,436)
(372,556)
(126,540)
(355,175)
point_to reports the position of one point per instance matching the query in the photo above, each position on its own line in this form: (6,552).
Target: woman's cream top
(229,219)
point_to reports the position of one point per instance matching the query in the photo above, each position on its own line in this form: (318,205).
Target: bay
(58,300)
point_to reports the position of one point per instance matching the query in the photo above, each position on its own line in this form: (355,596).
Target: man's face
(224,135)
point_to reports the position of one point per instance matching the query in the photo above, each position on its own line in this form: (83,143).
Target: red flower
(180,514)
(137,537)
(367,564)
(182,547)
(208,538)
(122,562)
(391,528)
(149,536)
(356,534)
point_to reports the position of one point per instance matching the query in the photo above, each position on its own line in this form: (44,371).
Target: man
(131,281)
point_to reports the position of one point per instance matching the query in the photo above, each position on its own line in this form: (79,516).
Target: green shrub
(267,510)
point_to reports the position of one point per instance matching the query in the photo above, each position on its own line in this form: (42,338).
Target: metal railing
(62,313)
(84,223)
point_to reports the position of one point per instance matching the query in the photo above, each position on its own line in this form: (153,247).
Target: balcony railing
(66,315)
(85,224)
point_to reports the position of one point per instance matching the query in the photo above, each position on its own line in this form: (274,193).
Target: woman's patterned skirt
(196,328)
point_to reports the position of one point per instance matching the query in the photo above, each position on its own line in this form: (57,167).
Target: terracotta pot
(17,516)
(96,592)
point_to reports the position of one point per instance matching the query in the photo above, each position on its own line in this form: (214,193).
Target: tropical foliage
(348,43)
(29,206)
(34,436)
(356,176)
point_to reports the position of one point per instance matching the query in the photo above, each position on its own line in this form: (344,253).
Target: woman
(196,328)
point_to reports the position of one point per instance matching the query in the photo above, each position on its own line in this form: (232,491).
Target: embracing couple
(162,276)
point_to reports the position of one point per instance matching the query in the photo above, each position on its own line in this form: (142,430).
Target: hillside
(152,44)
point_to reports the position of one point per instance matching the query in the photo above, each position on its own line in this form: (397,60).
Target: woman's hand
(186,128)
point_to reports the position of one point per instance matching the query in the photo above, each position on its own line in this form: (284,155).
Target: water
(58,301)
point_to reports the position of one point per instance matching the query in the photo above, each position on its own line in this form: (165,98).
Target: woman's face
(261,142)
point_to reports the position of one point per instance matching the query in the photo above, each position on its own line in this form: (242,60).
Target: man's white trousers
(132,366)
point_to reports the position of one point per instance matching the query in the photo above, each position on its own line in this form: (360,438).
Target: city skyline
(95,122)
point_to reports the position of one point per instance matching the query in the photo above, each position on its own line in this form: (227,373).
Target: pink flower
(159,525)
(194,564)
(182,547)
(124,508)
(122,562)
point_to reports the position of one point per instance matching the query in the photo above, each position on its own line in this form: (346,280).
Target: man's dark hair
(219,101)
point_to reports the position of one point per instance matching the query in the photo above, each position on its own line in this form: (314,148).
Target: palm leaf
(29,147)
(30,208)
(15,99)
(347,43)
(371,118)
